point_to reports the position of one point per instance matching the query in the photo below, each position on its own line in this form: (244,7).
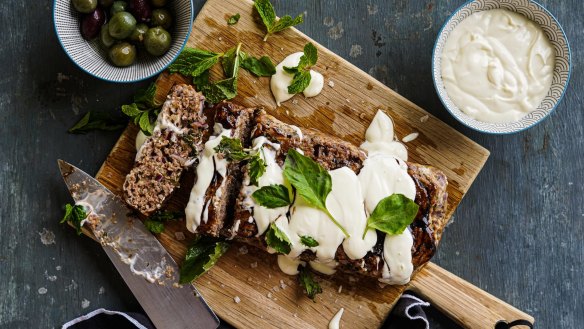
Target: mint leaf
(301,72)
(145,124)
(96,121)
(278,240)
(308,241)
(200,257)
(154,226)
(312,182)
(201,80)
(233,19)
(131,110)
(231,149)
(193,62)
(268,16)
(74,214)
(146,97)
(220,90)
(256,168)
(300,82)
(309,58)
(272,196)
(231,61)
(392,215)
(262,67)
(307,282)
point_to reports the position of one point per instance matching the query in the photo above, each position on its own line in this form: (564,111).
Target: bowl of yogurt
(501,67)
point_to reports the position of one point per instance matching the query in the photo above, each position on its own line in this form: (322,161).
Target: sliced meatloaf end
(221,193)
(333,153)
(173,146)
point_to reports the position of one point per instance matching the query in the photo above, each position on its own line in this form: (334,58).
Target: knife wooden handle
(463,302)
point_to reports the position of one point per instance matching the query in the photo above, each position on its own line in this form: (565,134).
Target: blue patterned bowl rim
(140,78)
(560,80)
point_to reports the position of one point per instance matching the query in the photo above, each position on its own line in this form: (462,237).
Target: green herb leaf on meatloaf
(308,241)
(200,257)
(301,72)
(306,280)
(221,90)
(268,15)
(96,121)
(312,182)
(262,67)
(392,215)
(278,240)
(272,196)
(233,19)
(74,214)
(193,62)
(256,168)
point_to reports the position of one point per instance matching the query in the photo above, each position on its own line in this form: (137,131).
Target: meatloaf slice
(220,195)
(173,146)
(333,153)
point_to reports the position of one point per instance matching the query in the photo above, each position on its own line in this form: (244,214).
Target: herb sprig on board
(301,72)
(268,15)
(155,223)
(233,19)
(200,257)
(307,282)
(197,64)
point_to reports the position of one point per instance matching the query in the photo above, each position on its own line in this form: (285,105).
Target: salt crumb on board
(243,250)
(410,137)
(253,265)
(424,118)
(340,288)
(85,303)
(236,299)
(47,237)
(331,83)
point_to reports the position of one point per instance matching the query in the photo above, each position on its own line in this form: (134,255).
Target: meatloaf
(174,145)
(333,153)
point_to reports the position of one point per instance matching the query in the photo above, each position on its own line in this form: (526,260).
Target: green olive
(137,37)
(161,17)
(106,3)
(157,41)
(84,6)
(122,25)
(117,7)
(122,54)
(105,38)
(158,3)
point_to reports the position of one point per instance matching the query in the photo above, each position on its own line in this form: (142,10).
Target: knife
(144,264)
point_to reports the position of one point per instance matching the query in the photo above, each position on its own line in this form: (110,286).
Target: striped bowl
(551,28)
(91,58)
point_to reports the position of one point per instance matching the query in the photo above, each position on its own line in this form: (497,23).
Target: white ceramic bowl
(91,58)
(551,28)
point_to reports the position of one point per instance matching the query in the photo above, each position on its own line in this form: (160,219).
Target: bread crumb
(222,285)
(243,250)
(253,265)
(269,295)
(340,288)
(424,118)
(331,83)
(180,236)
(220,39)
(236,299)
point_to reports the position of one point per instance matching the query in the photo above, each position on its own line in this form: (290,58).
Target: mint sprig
(272,196)
(74,214)
(306,280)
(301,72)
(268,15)
(200,257)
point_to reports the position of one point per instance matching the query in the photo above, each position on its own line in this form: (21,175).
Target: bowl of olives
(123,41)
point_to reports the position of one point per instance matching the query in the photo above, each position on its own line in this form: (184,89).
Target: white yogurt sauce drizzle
(336,320)
(497,66)
(350,201)
(196,210)
(281,80)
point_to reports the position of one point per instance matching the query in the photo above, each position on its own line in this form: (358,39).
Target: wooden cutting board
(346,106)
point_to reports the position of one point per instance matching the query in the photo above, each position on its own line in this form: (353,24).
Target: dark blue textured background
(517,234)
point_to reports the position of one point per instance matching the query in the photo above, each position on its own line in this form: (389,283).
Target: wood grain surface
(517,233)
(345,108)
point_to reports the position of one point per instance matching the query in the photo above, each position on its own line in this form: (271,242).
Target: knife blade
(144,264)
